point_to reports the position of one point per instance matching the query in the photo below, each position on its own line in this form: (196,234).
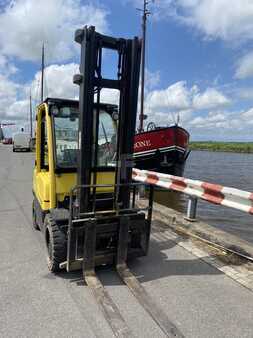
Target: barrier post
(191,209)
(142,191)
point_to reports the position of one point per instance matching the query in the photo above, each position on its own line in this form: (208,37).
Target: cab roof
(67,102)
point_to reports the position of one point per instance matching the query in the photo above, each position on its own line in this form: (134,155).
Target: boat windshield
(66,137)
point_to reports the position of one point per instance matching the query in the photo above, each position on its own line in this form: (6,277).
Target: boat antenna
(31,117)
(42,73)
(178,119)
(145,14)
(173,118)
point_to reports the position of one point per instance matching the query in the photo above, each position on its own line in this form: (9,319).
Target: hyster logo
(141,144)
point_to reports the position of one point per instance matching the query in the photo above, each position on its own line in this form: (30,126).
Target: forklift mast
(106,228)
(91,83)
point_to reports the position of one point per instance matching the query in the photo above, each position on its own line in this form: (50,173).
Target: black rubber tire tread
(35,224)
(58,241)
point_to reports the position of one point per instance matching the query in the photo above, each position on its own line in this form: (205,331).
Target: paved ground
(199,299)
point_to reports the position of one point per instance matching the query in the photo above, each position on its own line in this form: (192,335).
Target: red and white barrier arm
(213,193)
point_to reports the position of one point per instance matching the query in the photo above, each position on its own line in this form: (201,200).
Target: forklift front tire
(56,244)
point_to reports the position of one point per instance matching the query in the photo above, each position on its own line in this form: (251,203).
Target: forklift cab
(55,171)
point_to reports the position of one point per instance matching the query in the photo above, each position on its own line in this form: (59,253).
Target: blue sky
(199,58)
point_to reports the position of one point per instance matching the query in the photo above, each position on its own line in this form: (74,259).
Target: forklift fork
(108,307)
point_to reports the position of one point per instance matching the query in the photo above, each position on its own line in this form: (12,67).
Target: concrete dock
(198,298)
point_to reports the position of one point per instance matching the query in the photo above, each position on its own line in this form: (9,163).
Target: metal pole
(1,133)
(31,118)
(142,191)
(144,21)
(191,209)
(42,74)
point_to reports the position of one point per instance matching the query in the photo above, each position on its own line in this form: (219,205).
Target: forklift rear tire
(35,224)
(56,244)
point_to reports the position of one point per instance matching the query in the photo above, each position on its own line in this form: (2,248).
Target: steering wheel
(151,126)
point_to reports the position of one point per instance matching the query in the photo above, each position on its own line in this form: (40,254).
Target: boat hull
(163,150)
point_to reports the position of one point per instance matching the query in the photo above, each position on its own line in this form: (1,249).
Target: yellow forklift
(84,197)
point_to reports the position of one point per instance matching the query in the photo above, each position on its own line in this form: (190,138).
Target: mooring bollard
(191,209)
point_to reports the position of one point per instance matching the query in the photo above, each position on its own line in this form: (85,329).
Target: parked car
(7,140)
(21,141)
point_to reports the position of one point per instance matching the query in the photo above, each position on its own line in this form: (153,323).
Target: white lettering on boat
(140,144)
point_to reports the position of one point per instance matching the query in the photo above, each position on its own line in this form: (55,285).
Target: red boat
(162,149)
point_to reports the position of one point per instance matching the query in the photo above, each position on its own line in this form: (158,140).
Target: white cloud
(225,19)
(244,67)
(168,118)
(14,98)
(228,20)
(7,68)
(174,97)
(211,120)
(248,115)
(26,23)
(161,105)
(58,82)
(19,110)
(179,97)
(152,79)
(222,125)
(245,93)
(210,99)
(164,105)
(8,95)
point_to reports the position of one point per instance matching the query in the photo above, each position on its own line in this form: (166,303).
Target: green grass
(237,147)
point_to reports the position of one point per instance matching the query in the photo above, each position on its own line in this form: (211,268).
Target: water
(228,169)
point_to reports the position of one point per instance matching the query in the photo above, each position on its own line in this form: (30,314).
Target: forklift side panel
(44,177)
(66,181)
